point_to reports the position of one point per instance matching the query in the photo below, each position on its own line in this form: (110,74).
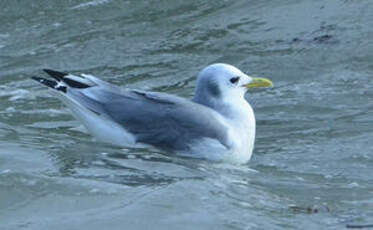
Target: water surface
(312,165)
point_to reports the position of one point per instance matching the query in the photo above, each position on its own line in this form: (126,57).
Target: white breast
(242,134)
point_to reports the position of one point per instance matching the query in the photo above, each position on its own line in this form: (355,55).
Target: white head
(221,85)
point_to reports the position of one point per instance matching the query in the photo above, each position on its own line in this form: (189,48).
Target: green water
(313,161)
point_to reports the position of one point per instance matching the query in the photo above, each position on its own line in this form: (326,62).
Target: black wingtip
(50,83)
(61,76)
(55,74)
(38,79)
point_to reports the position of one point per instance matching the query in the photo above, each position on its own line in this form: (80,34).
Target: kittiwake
(218,123)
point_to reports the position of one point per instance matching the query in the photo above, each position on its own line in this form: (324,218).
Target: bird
(217,123)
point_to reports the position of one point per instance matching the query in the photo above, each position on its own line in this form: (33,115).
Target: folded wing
(165,121)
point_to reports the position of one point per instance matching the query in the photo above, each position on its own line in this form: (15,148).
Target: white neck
(240,116)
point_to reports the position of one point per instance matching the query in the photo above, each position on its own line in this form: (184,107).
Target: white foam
(91,3)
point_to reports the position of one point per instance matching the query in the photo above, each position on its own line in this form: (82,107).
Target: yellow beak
(259,82)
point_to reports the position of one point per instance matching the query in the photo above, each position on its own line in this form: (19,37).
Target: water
(312,166)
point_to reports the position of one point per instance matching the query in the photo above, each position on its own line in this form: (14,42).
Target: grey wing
(162,120)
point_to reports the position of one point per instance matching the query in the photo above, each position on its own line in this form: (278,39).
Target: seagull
(217,124)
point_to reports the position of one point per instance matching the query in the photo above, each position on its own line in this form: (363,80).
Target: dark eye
(234,80)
